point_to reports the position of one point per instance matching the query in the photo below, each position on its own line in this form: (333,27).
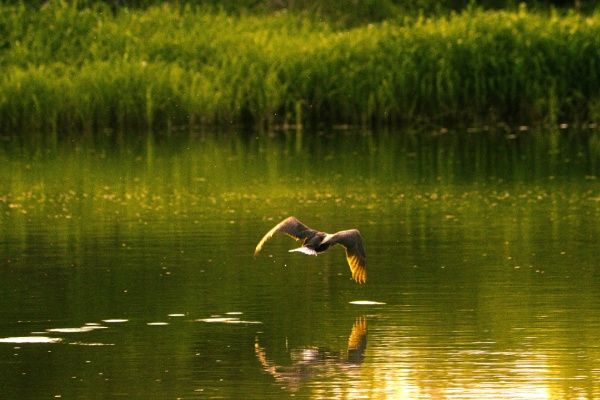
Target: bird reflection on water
(312,361)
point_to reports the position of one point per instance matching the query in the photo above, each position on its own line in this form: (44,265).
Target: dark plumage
(317,242)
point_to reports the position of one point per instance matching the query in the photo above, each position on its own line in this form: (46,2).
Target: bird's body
(317,242)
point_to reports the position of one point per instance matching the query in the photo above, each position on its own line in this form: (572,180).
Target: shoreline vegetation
(86,68)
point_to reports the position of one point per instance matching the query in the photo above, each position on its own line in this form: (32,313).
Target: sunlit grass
(88,69)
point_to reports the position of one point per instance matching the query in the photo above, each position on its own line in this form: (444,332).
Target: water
(127,269)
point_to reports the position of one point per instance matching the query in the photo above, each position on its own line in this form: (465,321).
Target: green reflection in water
(79,187)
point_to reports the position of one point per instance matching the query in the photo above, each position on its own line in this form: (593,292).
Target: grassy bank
(70,68)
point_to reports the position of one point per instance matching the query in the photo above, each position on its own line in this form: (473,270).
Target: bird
(315,242)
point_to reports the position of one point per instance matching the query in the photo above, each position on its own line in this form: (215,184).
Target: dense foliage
(67,66)
(347,10)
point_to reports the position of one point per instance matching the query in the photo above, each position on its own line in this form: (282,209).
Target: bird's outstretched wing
(355,252)
(290,226)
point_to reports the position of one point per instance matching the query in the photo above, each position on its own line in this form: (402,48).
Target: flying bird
(315,242)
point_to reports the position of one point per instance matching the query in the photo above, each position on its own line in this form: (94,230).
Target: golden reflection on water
(518,379)
(404,362)
(395,370)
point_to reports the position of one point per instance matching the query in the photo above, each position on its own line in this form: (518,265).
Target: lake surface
(127,268)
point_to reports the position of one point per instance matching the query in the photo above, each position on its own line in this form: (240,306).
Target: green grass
(70,68)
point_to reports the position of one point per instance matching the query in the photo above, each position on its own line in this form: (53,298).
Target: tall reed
(85,68)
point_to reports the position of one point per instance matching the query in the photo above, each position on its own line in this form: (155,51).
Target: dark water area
(127,268)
